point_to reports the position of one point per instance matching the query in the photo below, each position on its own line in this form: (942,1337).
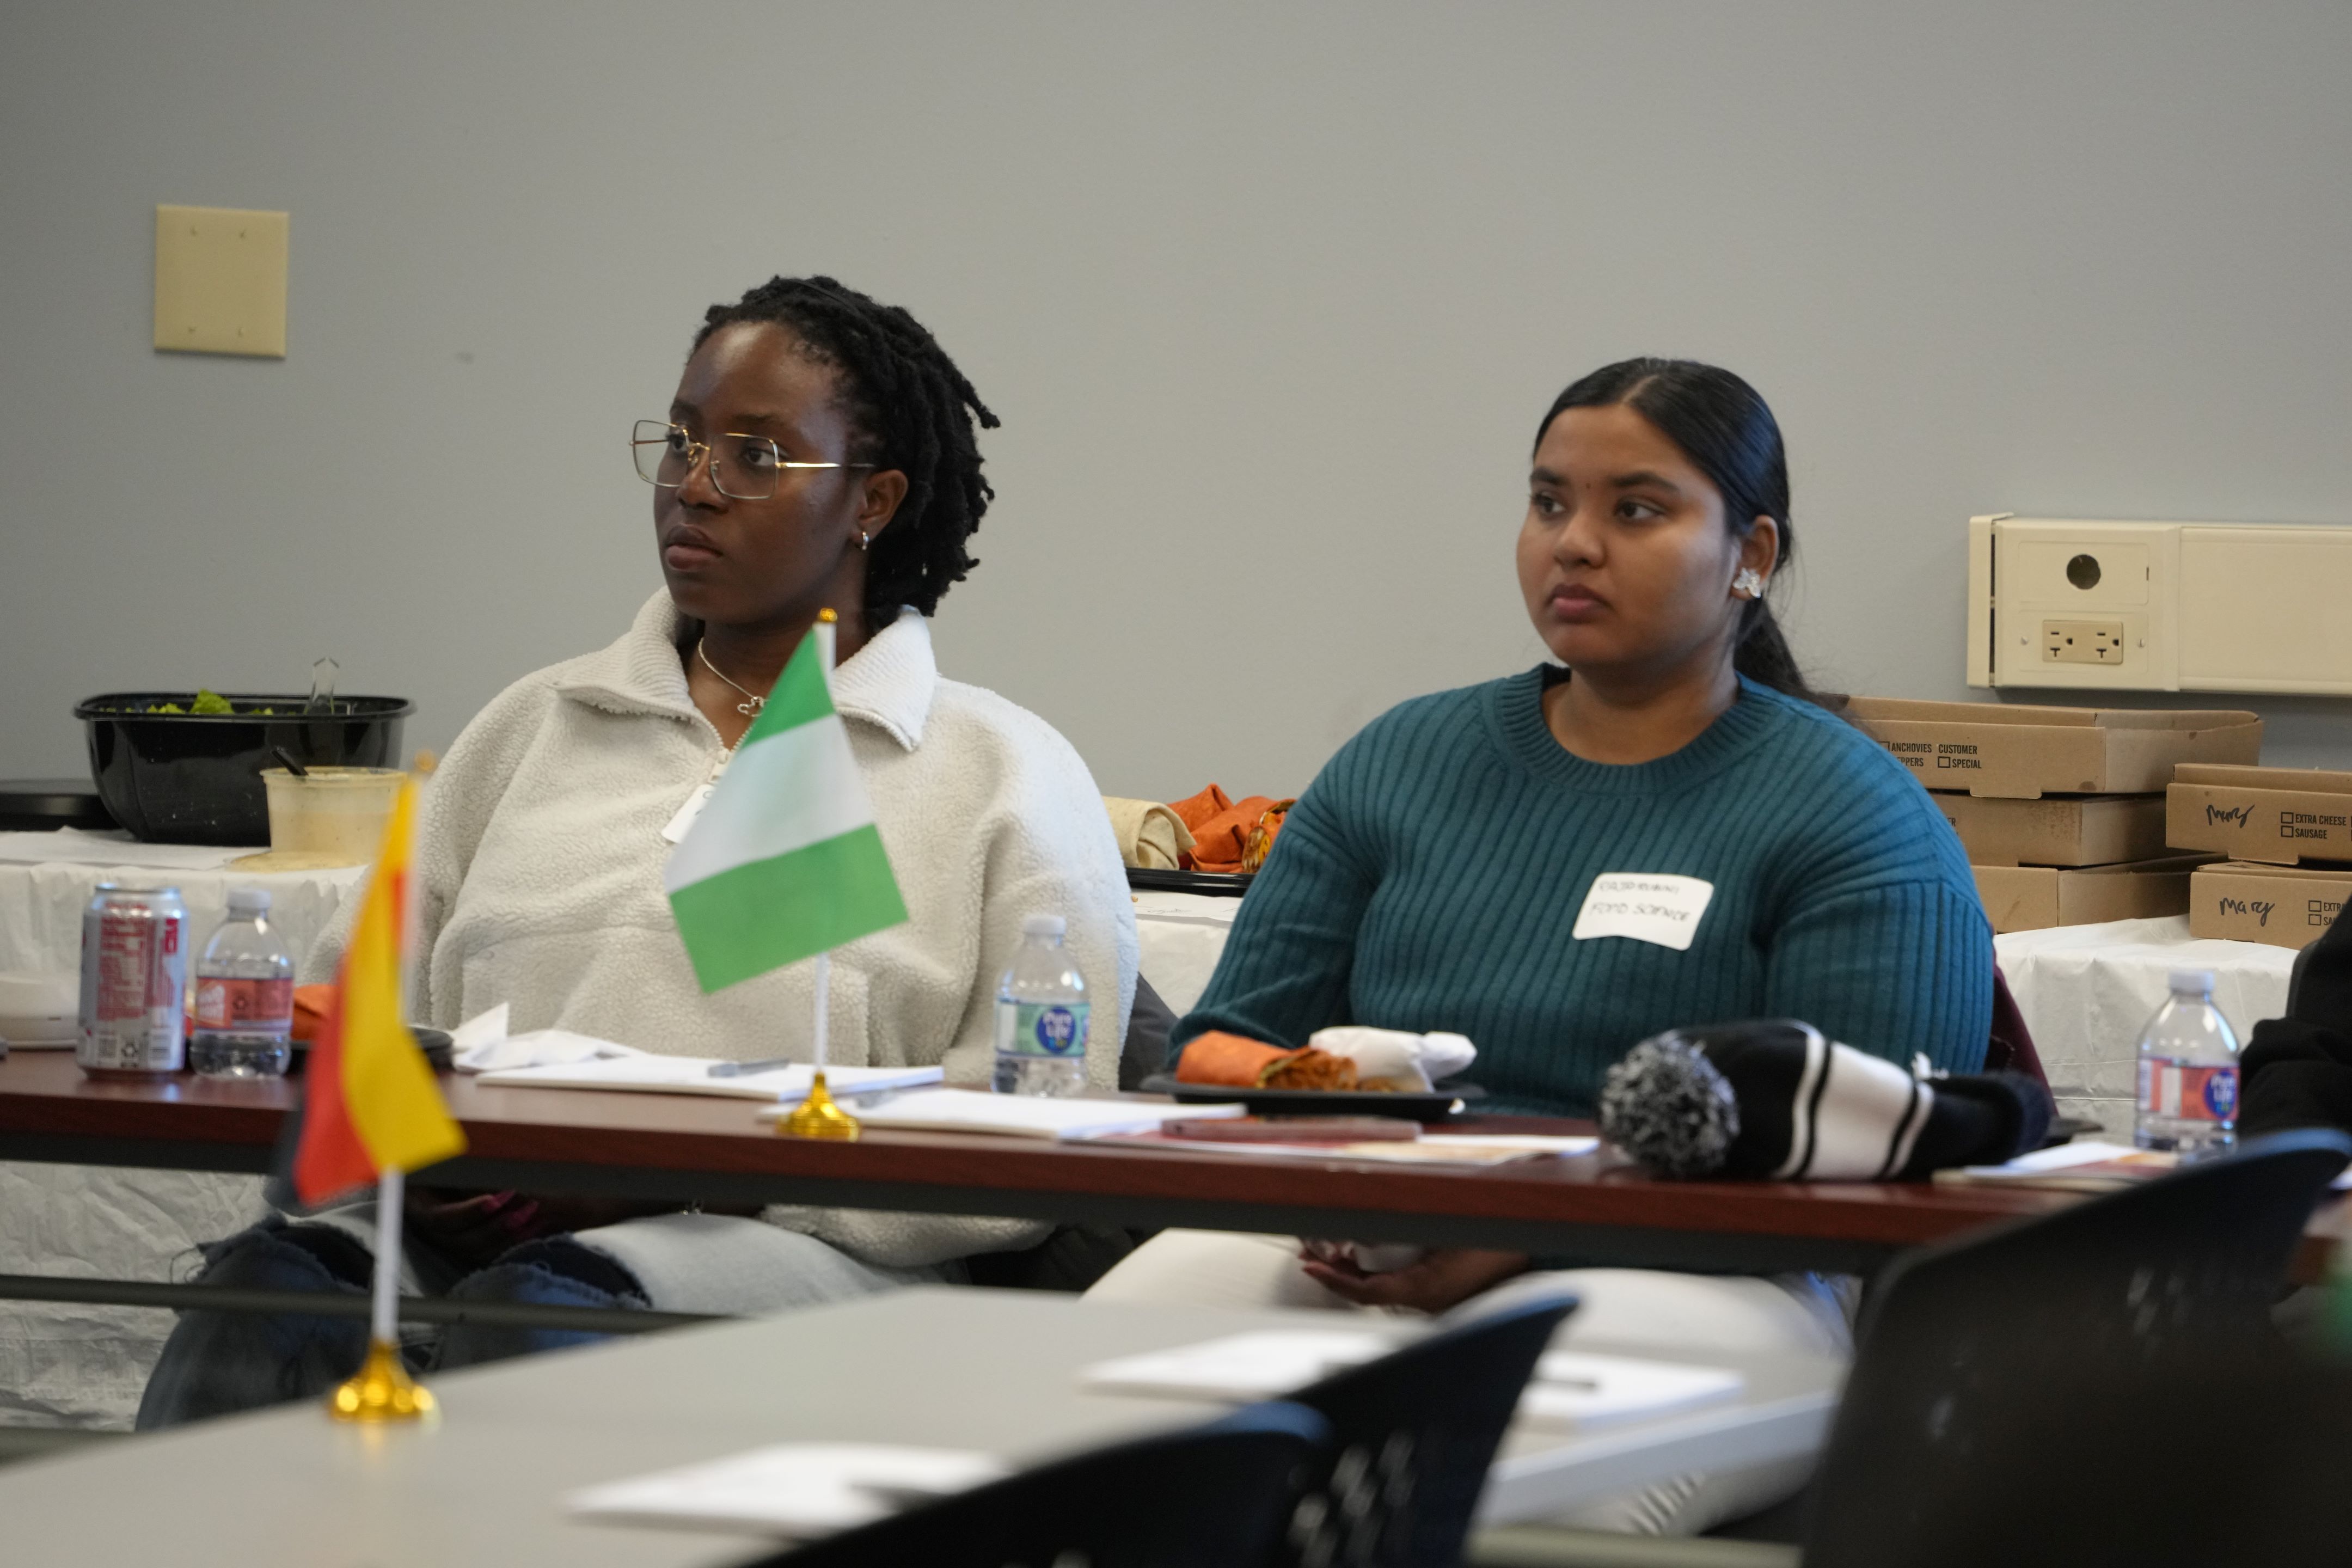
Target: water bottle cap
(248,900)
(1045,925)
(2194,982)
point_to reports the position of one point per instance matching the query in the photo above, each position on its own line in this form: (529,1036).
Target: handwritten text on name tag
(1645,907)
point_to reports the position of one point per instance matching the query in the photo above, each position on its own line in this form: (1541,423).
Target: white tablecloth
(86,1365)
(1179,936)
(2087,991)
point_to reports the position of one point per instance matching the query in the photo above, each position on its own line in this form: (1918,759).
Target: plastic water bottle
(1041,1016)
(2188,1072)
(245,994)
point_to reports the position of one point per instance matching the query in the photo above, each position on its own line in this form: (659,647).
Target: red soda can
(134,982)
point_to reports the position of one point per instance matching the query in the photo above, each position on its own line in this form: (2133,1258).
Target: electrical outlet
(2081,642)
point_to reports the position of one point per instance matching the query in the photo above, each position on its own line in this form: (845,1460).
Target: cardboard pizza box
(2285,906)
(2011,750)
(2281,816)
(2033,897)
(2056,830)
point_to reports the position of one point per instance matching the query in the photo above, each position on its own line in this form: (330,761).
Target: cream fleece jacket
(539,882)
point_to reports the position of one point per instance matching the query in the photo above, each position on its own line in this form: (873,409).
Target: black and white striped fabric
(1774,1098)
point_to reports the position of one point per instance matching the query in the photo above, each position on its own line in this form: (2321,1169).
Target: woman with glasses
(1464,864)
(819,453)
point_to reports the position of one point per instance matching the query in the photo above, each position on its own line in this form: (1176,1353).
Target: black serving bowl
(196,778)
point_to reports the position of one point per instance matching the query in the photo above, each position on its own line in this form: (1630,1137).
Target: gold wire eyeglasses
(742,467)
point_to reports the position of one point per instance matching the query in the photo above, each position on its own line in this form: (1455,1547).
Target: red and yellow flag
(369,1103)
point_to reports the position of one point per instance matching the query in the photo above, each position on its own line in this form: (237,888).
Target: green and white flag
(783,861)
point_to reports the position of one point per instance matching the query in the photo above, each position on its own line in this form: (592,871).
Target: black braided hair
(909,408)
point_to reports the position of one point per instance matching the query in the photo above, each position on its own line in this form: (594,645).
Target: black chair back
(1970,1352)
(2223,1461)
(1211,1497)
(1412,1434)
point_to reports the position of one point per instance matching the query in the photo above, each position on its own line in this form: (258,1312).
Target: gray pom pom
(1667,1107)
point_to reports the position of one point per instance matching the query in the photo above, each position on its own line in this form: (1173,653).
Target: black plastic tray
(1434,1106)
(196,778)
(1216,884)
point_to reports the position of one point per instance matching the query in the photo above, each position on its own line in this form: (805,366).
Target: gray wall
(1269,298)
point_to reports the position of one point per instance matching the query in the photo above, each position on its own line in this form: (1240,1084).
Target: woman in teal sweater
(1457,866)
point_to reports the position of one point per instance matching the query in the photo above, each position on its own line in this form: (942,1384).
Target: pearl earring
(1749,584)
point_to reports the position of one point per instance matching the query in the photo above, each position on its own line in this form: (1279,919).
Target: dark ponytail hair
(1723,428)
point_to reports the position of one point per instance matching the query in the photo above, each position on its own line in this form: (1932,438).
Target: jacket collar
(889,683)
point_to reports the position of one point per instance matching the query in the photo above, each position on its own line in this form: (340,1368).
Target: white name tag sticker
(1648,908)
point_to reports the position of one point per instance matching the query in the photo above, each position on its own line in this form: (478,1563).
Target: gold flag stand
(383,1393)
(820,1115)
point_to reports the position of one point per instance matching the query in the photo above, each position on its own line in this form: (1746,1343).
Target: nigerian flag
(783,863)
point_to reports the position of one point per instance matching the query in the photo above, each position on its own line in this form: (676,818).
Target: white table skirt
(86,1365)
(2087,991)
(1179,936)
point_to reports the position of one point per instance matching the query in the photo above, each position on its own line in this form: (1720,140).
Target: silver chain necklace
(753,701)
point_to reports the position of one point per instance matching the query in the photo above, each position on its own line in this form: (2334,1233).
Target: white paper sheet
(1398,1151)
(1570,1388)
(643,1073)
(794,1489)
(1573,1389)
(1025,1115)
(1258,1365)
(2041,1162)
(502,1052)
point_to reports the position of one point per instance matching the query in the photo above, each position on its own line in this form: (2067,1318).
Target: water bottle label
(265,1006)
(1056,1029)
(2185,1093)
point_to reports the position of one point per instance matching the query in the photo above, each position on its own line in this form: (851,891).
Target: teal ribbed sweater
(1431,875)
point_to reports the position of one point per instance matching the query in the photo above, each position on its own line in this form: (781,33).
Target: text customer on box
(1662,829)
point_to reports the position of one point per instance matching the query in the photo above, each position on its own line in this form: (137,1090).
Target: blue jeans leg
(553,1271)
(215,1363)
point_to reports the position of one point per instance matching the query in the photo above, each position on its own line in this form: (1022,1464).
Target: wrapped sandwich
(1234,1062)
(1396,1059)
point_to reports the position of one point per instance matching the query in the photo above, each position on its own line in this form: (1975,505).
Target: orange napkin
(1221,827)
(311,1004)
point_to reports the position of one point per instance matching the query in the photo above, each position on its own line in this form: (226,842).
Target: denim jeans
(218,1363)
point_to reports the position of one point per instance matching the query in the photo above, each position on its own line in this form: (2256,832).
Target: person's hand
(474,1231)
(471,1231)
(1442,1280)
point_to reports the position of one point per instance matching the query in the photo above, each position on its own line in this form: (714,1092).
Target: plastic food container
(334,813)
(193,778)
(41,1012)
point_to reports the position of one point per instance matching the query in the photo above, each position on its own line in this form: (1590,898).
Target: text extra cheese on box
(2282,905)
(2281,815)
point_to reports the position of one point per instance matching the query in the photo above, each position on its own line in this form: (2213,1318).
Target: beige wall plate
(220,281)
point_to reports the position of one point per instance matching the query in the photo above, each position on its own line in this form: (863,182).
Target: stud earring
(1749,584)
(864,539)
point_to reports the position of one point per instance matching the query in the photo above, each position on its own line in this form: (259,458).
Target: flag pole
(382,1391)
(819,1115)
